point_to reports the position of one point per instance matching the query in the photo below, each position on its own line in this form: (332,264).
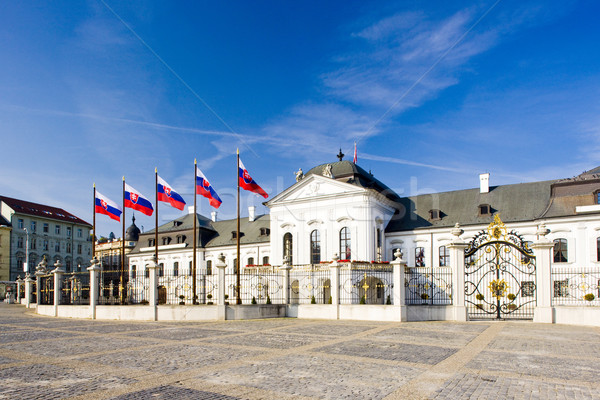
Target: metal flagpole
(122,272)
(195,239)
(94,223)
(156,215)
(237,287)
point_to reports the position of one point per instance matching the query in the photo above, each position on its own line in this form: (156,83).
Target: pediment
(315,187)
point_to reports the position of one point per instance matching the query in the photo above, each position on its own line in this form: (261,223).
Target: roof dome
(133,232)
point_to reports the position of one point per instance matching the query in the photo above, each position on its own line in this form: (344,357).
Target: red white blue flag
(166,193)
(104,205)
(204,188)
(247,183)
(134,199)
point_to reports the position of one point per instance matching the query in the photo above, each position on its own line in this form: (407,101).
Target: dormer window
(234,234)
(166,240)
(265,231)
(180,238)
(485,209)
(435,215)
(177,223)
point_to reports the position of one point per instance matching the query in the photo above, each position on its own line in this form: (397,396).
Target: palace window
(68,231)
(560,251)
(150,242)
(191,267)
(166,240)
(45,228)
(20,242)
(419,257)
(57,230)
(235,266)
(485,209)
(598,249)
(315,247)
(266,260)
(345,244)
(45,245)
(180,238)
(175,268)
(133,272)
(20,224)
(78,249)
(68,247)
(57,246)
(265,231)
(33,244)
(444,256)
(79,232)
(250,261)
(209,267)
(379,246)
(435,215)
(287,248)
(161,269)
(33,226)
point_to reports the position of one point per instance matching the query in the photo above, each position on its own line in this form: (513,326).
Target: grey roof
(133,232)
(349,172)
(183,223)
(517,202)
(250,231)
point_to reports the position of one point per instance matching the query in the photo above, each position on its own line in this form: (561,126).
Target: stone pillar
(94,269)
(58,273)
(285,272)
(19,284)
(40,270)
(152,267)
(28,282)
(221,308)
(334,269)
(542,248)
(457,260)
(399,295)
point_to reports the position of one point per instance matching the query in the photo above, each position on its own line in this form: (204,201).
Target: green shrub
(363,300)
(389,300)
(268,300)
(330,300)
(589,297)
(424,296)
(253,300)
(313,300)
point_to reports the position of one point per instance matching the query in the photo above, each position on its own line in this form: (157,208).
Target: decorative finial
(299,175)
(133,219)
(457,231)
(340,155)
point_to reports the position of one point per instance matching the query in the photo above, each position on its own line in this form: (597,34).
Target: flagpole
(194,298)
(156,214)
(122,283)
(237,295)
(94,223)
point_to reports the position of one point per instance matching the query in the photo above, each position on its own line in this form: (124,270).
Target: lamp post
(26,266)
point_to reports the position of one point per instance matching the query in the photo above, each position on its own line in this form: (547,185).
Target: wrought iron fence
(257,286)
(76,288)
(310,284)
(366,283)
(112,287)
(576,286)
(33,297)
(47,289)
(175,288)
(428,285)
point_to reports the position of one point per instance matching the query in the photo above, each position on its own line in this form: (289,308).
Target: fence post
(285,270)
(221,309)
(94,268)
(334,270)
(152,267)
(58,273)
(457,261)
(543,254)
(28,282)
(19,283)
(40,270)
(399,295)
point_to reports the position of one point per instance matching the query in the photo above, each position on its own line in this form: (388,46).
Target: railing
(428,286)
(257,286)
(576,286)
(110,287)
(179,289)
(366,283)
(76,288)
(310,284)
(46,289)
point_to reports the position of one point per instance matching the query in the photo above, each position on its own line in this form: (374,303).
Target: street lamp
(26,265)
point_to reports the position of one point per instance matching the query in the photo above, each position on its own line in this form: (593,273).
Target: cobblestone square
(56,358)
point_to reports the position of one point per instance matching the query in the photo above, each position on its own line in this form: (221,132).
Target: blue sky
(434,92)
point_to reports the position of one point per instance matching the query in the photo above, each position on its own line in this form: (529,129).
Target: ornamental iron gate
(500,275)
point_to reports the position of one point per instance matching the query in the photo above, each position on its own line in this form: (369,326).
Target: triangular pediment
(315,187)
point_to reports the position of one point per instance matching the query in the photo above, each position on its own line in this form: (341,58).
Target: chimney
(213,216)
(484,183)
(190,209)
(251,213)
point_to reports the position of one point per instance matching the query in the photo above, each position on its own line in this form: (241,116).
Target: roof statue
(327,171)
(299,174)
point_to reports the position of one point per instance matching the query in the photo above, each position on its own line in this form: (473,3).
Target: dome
(133,232)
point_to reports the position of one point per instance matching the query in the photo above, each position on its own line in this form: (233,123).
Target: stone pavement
(52,358)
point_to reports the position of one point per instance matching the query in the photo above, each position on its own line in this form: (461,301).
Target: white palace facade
(340,210)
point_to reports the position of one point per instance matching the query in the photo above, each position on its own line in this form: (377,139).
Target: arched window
(161,269)
(379,246)
(444,256)
(560,251)
(598,249)
(133,272)
(345,244)
(419,257)
(175,268)
(250,261)
(209,267)
(287,248)
(235,266)
(315,247)
(266,260)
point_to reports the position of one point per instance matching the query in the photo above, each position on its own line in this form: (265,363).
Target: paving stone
(410,335)
(329,328)
(390,351)
(269,340)
(173,392)
(178,333)
(546,346)
(23,335)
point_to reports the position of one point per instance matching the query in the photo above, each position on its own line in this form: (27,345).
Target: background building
(39,230)
(108,250)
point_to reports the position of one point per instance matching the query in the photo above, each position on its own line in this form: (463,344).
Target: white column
(28,282)
(221,308)
(19,283)
(399,294)
(285,272)
(334,269)
(40,270)
(152,267)
(94,268)
(457,261)
(58,273)
(542,248)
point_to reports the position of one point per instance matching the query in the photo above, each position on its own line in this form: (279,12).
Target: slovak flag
(134,199)
(247,183)
(106,206)
(166,193)
(204,188)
